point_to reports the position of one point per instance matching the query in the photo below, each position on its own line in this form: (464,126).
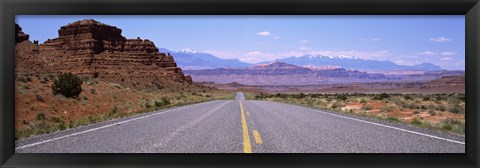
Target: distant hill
(189,59)
(354,63)
(280,73)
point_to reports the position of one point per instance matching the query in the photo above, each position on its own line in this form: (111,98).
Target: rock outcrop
(97,50)
(446,81)
(19,35)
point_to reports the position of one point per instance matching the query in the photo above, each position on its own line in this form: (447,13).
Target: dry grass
(444,112)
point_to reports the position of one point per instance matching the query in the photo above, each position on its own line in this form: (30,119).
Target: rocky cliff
(97,50)
(19,35)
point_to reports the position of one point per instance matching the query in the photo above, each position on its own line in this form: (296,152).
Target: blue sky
(405,40)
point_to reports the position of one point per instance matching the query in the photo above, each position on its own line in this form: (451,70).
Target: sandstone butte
(93,49)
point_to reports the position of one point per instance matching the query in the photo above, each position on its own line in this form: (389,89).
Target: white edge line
(400,129)
(98,128)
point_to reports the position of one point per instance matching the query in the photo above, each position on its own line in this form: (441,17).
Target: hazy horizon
(405,40)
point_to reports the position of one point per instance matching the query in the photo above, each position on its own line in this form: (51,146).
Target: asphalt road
(243,126)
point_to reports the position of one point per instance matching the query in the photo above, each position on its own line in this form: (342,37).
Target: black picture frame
(10,8)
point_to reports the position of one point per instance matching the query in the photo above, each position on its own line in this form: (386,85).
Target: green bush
(41,116)
(382,96)
(407,97)
(342,97)
(334,106)
(456,109)
(366,107)
(388,108)
(67,84)
(57,119)
(447,126)
(163,102)
(416,122)
(363,100)
(148,105)
(114,110)
(393,119)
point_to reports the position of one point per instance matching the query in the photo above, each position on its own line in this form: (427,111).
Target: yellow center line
(247,147)
(257,137)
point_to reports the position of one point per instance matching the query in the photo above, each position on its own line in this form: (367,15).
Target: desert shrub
(57,119)
(337,105)
(114,110)
(342,97)
(363,100)
(432,112)
(407,97)
(366,107)
(453,122)
(166,100)
(394,119)
(93,91)
(447,126)
(388,108)
(416,112)
(158,103)
(148,105)
(41,116)
(300,96)
(441,107)
(67,84)
(382,96)
(416,122)
(62,126)
(456,109)
(22,79)
(426,98)
(334,106)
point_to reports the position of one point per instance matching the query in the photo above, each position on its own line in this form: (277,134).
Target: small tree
(67,84)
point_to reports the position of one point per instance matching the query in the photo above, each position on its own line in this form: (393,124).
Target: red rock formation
(91,48)
(19,35)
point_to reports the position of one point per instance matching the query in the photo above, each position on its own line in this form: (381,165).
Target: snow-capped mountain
(191,59)
(354,63)
(187,51)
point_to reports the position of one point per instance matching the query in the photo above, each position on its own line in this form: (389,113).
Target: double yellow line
(247,146)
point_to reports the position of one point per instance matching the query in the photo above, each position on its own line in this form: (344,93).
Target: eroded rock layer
(97,50)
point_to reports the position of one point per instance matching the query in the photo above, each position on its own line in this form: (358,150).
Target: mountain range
(189,59)
(281,73)
(195,60)
(355,63)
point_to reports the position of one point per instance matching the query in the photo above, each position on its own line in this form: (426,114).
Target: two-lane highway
(242,126)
